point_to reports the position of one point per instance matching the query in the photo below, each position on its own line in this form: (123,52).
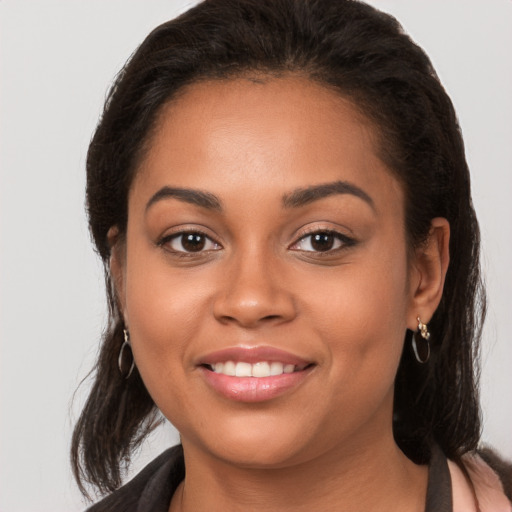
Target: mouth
(259,370)
(254,374)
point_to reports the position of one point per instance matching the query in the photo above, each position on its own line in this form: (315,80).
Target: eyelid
(184,230)
(346,241)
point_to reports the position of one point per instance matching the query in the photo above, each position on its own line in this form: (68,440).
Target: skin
(327,444)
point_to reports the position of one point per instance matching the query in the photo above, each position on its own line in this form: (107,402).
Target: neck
(376,478)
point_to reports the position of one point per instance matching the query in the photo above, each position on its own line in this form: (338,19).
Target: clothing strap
(439,487)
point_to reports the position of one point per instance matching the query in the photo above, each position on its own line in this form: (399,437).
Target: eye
(189,242)
(322,241)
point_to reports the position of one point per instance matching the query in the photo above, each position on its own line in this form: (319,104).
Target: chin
(254,444)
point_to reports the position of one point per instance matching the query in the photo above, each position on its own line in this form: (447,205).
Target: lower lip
(254,389)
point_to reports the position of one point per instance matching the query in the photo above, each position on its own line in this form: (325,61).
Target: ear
(428,272)
(117,266)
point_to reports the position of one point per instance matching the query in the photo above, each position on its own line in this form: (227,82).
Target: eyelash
(181,235)
(344,242)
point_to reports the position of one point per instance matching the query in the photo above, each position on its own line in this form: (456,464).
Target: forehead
(279,133)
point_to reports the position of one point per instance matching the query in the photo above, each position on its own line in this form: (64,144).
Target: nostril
(250,319)
(271,317)
(250,306)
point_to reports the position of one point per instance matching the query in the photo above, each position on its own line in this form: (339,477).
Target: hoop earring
(425,334)
(120,357)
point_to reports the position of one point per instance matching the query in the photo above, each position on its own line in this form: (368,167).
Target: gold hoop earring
(424,333)
(121,356)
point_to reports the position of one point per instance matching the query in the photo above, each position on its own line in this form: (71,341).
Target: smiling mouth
(254,374)
(259,369)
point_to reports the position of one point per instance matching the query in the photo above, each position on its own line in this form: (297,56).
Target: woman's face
(266,239)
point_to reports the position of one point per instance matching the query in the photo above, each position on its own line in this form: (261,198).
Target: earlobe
(117,265)
(430,265)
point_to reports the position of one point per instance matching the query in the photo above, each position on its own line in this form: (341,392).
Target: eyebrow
(296,199)
(187,195)
(304,196)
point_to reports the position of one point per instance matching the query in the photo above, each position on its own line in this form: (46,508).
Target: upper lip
(252,355)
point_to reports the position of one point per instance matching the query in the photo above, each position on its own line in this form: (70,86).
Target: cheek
(164,320)
(163,314)
(364,321)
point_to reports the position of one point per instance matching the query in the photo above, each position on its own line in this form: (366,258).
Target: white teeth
(229,368)
(243,370)
(259,369)
(289,368)
(276,368)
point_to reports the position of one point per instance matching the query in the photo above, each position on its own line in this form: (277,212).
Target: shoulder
(481,481)
(151,489)
(502,467)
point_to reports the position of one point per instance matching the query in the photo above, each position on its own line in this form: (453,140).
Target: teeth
(276,368)
(260,369)
(243,370)
(229,368)
(289,368)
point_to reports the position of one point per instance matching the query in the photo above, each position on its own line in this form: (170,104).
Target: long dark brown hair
(363,54)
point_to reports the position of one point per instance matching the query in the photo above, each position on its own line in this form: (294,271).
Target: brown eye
(189,242)
(322,241)
(193,242)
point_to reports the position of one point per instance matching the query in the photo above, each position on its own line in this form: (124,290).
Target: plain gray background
(57,59)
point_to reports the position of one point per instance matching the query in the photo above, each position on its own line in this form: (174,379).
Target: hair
(363,54)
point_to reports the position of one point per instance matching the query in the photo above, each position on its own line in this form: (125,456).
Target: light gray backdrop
(57,59)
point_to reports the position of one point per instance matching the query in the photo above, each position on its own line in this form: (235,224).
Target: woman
(279,193)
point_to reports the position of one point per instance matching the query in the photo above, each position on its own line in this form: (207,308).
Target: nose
(254,292)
